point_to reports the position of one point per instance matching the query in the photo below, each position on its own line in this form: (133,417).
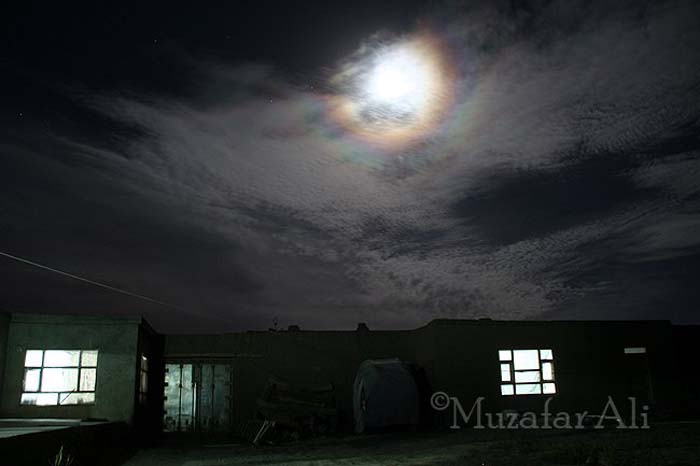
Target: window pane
(549,388)
(506,389)
(505,373)
(504,355)
(76,398)
(526,359)
(87,380)
(89,358)
(529,376)
(546,354)
(33,358)
(60,358)
(635,350)
(39,399)
(31,380)
(547,371)
(59,380)
(528,389)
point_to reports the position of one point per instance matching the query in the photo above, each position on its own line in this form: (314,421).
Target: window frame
(64,395)
(541,381)
(143,374)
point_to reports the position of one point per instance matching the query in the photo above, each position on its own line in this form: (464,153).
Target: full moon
(400,78)
(395,94)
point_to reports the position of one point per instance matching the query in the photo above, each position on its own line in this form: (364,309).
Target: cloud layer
(564,184)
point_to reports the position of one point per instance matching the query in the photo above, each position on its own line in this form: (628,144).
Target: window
(59,377)
(639,350)
(143,380)
(527,372)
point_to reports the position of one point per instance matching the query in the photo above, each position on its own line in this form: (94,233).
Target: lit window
(59,377)
(638,350)
(527,372)
(143,380)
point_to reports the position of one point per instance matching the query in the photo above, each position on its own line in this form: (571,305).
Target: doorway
(197,397)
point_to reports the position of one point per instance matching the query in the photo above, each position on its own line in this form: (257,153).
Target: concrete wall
(686,338)
(4,329)
(307,357)
(116,340)
(458,357)
(589,362)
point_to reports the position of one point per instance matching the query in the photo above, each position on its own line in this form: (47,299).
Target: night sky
(234,162)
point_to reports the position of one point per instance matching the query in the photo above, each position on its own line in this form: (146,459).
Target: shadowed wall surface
(459,357)
(4,329)
(116,341)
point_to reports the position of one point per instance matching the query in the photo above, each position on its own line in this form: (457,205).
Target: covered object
(384,394)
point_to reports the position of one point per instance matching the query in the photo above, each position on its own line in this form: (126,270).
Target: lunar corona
(396,95)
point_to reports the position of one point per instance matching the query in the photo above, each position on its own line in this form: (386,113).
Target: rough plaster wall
(459,357)
(589,362)
(4,329)
(300,357)
(117,345)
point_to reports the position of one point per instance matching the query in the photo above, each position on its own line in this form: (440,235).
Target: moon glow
(395,95)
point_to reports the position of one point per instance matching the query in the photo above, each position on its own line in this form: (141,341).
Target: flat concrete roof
(12,427)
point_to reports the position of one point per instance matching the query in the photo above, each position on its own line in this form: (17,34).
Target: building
(120,371)
(578,363)
(87,381)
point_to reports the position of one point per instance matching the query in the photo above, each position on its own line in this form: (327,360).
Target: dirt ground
(662,445)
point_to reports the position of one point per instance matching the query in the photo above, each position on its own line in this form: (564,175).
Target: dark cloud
(563,184)
(519,205)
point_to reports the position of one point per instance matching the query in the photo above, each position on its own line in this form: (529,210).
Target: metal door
(180,407)
(214,397)
(197,397)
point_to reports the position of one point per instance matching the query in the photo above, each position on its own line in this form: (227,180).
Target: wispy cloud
(566,149)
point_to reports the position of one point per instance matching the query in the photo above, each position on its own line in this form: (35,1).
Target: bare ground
(663,445)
